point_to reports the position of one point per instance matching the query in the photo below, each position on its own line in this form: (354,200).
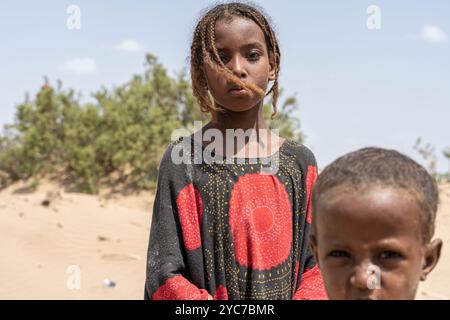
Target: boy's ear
(431,257)
(313,245)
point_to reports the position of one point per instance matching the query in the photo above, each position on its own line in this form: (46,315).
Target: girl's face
(242,47)
(369,245)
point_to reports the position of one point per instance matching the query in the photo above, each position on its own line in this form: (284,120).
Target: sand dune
(45,248)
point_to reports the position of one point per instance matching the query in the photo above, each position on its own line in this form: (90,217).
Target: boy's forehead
(370,240)
(386,208)
(373,193)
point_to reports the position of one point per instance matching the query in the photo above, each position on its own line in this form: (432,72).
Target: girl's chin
(240,108)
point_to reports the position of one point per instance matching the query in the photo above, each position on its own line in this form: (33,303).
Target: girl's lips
(238,92)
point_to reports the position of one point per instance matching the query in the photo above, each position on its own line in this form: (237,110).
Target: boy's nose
(361,277)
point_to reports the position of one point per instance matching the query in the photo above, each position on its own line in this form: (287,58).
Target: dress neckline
(275,154)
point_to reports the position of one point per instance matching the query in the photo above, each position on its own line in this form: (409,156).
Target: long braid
(200,89)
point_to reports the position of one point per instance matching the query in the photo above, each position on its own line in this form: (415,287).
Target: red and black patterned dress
(232,230)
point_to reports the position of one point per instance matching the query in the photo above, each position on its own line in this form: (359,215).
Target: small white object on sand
(109,283)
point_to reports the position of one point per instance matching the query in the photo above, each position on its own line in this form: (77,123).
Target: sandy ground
(74,247)
(87,247)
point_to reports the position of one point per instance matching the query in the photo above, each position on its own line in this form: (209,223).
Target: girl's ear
(272,73)
(431,257)
(272,70)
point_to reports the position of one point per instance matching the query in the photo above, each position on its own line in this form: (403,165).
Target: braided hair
(204,51)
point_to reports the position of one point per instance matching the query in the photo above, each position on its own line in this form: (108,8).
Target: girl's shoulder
(181,155)
(170,159)
(303,154)
(175,166)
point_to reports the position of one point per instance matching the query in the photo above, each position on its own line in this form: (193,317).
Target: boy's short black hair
(372,166)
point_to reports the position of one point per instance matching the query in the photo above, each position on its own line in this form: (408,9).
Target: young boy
(373,220)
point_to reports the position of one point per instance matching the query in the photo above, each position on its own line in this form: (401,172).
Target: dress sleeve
(166,274)
(311,283)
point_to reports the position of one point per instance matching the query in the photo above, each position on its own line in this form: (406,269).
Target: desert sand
(77,246)
(44,249)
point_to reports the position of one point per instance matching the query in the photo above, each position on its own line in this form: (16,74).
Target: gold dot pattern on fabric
(240,210)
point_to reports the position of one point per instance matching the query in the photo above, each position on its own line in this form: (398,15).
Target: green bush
(117,140)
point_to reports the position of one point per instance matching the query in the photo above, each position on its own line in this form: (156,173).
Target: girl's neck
(249,119)
(253,120)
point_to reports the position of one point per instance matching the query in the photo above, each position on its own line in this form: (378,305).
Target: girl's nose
(237,66)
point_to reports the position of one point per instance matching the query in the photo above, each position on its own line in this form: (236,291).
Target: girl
(229,230)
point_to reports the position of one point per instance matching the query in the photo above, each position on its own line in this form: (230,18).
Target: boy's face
(369,245)
(242,47)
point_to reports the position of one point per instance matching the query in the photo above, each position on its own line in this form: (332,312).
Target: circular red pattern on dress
(190,207)
(311,178)
(260,216)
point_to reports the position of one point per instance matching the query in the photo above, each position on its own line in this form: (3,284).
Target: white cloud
(131,46)
(432,33)
(80,66)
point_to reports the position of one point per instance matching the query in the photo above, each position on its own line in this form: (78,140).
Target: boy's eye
(339,254)
(390,255)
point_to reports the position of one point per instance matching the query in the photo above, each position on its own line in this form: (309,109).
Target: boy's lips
(370,296)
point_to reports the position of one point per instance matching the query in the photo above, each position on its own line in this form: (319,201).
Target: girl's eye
(223,58)
(254,56)
(339,254)
(390,255)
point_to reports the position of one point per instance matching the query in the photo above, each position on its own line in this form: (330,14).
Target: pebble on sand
(109,283)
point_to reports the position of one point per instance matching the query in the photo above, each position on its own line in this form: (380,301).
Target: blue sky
(356,87)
